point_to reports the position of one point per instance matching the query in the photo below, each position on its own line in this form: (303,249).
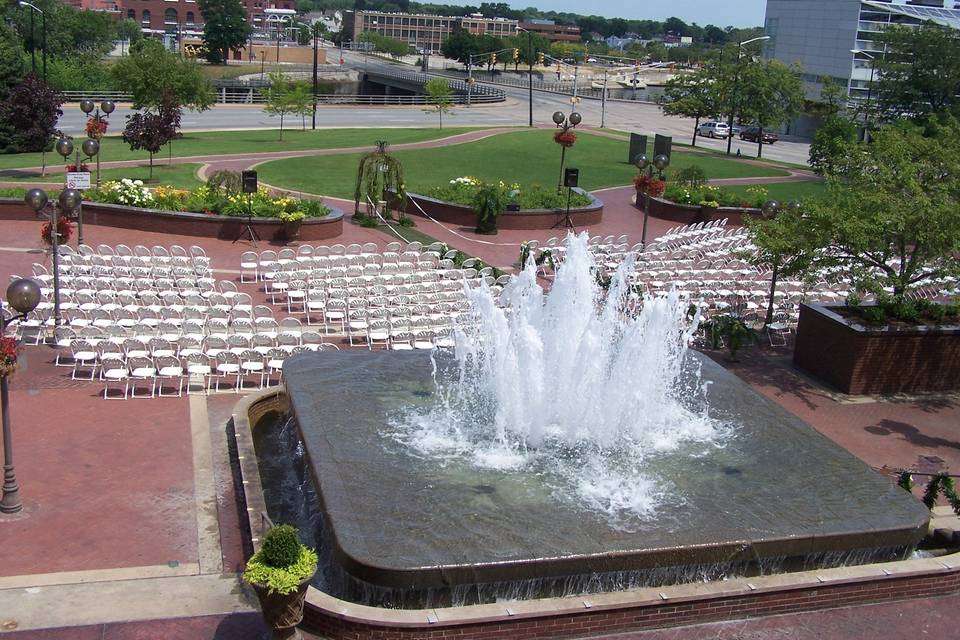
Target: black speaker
(662,145)
(571,177)
(638,145)
(249,181)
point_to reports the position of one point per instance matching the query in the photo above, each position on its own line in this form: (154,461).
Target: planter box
(527,219)
(197,225)
(692,213)
(862,360)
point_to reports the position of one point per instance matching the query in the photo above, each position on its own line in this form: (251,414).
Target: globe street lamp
(660,162)
(734,87)
(23,296)
(90,148)
(107,107)
(37,199)
(564,123)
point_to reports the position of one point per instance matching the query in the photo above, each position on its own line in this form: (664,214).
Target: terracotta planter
(282,612)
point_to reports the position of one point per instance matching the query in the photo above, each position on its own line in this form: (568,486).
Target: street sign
(78,180)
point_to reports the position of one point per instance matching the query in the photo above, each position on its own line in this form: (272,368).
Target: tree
(692,96)
(29,114)
(891,216)
(836,134)
(285,98)
(919,75)
(150,70)
(769,93)
(460,45)
(149,131)
(440,97)
(11,62)
(130,30)
(225,28)
(70,31)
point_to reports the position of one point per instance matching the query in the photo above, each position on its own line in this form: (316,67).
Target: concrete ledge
(198,225)
(577,616)
(692,213)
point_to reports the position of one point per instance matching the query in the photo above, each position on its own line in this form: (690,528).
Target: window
(170,16)
(146,16)
(189,17)
(131,14)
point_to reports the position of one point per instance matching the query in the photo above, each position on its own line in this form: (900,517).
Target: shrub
(692,176)
(936,312)
(281,546)
(463,190)
(951,311)
(874,315)
(228,181)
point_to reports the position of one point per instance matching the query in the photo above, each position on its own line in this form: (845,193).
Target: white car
(715,130)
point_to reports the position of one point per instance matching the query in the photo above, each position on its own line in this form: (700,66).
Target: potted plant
(731,331)
(292,220)
(279,574)
(489,201)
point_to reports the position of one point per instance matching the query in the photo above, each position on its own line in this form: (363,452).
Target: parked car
(735,131)
(714,129)
(750,135)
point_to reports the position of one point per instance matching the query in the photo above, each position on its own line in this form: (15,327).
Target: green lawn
(177,175)
(526,157)
(260,140)
(787,191)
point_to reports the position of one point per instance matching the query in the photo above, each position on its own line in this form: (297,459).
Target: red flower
(64,230)
(565,138)
(650,186)
(73,167)
(96,127)
(8,355)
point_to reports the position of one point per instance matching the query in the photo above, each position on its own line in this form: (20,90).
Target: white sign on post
(78,179)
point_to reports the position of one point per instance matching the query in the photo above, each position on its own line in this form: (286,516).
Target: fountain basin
(777,490)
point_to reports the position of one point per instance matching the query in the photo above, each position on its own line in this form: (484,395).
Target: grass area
(182,176)
(254,141)
(787,191)
(527,157)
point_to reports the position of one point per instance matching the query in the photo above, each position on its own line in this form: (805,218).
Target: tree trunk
(151,165)
(759,142)
(773,290)
(281,127)
(441,119)
(696,130)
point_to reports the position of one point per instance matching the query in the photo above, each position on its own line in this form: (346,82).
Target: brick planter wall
(862,361)
(464,216)
(692,213)
(187,224)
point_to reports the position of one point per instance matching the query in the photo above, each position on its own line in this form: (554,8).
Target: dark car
(750,135)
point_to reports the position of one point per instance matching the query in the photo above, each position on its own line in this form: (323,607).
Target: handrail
(252,96)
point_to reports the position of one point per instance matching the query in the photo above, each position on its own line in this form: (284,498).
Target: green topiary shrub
(692,176)
(281,546)
(227,181)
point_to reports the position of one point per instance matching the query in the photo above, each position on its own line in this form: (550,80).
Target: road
(625,116)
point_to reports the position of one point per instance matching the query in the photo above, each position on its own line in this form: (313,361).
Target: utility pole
(313,121)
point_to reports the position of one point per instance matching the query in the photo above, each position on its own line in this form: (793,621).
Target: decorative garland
(941,482)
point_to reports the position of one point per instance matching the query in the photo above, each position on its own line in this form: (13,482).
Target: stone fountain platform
(776,489)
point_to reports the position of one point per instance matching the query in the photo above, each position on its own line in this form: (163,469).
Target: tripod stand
(566,222)
(248,231)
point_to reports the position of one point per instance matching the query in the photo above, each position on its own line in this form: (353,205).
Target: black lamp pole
(313,122)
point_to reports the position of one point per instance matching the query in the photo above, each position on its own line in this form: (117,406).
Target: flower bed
(714,197)
(535,196)
(204,199)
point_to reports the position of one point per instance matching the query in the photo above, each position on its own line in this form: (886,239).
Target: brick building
(552,31)
(423,32)
(184,17)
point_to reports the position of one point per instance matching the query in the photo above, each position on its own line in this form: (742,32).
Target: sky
(737,13)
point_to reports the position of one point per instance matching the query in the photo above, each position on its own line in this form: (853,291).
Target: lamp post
(660,162)
(770,209)
(65,147)
(733,88)
(565,123)
(23,295)
(43,43)
(873,69)
(530,73)
(313,119)
(107,107)
(37,199)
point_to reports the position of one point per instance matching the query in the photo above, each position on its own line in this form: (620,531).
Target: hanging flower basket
(649,186)
(64,231)
(73,167)
(565,138)
(8,356)
(96,127)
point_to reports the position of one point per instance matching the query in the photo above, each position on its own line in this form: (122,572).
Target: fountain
(570,444)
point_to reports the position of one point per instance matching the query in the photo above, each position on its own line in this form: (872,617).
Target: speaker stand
(248,231)
(566,222)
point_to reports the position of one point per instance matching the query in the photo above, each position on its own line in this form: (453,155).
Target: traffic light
(493,59)
(516,55)
(540,58)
